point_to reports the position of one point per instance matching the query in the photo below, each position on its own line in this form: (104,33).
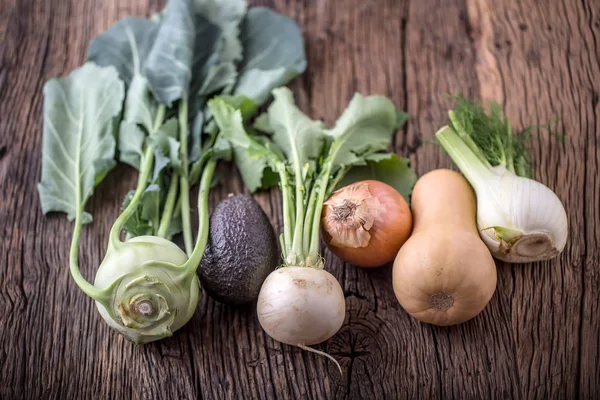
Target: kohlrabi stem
(84,285)
(287,209)
(207,175)
(145,171)
(467,140)
(184,179)
(470,165)
(117,228)
(167,214)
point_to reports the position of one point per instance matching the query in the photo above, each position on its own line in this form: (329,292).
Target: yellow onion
(366,223)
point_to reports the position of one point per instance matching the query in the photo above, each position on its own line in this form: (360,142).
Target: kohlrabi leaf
(219,70)
(146,218)
(140,105)
(131,144)
(227,15)
(251,158)
(298,136)
(273,53)
(365,127)
(387,168)
(166,148)
(206,37)
(125,45)
(79,144)
(168,65)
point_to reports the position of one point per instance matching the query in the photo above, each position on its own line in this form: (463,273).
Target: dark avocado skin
(241,251)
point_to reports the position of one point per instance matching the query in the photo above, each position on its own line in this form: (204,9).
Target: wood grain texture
(538,338)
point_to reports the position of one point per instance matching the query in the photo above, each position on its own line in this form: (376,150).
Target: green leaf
(168,66)
(226,14)
(219,71)
(365,127)
(247,106)
(131,144)
(175,227)
(125,45)
(273,53)
(79,144)
(140,106)
(166,148)
(251,158)
(298,136)
(151,205)
(146,218)
(262,124)
(387,168)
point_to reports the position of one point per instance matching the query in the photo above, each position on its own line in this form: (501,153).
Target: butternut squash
(444,274)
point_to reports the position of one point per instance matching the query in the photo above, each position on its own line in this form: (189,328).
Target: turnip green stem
(184,179)
(297,247)
(207,175)
(167,213)
(339,175)
(321,186)
(310,213)
(287,211)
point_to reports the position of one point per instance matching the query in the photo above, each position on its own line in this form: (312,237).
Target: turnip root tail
(321,353)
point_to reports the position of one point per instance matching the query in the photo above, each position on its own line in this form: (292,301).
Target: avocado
(241,251)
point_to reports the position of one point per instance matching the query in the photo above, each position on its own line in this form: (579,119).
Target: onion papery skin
(388,224)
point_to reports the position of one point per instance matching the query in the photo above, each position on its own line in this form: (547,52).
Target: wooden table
(538,338)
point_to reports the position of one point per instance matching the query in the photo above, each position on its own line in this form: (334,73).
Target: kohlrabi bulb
(519,219)
(150,294)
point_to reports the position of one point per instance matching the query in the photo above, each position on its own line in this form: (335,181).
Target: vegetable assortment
(147,82)
(174,94)
(301,303)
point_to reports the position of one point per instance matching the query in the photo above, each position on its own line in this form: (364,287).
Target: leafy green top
(79,143)
(310,160)
(490,136)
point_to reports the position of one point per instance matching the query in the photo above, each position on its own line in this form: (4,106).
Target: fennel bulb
(519,219)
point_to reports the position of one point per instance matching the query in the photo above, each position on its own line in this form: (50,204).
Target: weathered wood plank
(548,62)
(540,334)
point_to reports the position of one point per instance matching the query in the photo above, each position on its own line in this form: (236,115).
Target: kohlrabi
(519,219)
(300,303)
(146,287)
(148,80)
